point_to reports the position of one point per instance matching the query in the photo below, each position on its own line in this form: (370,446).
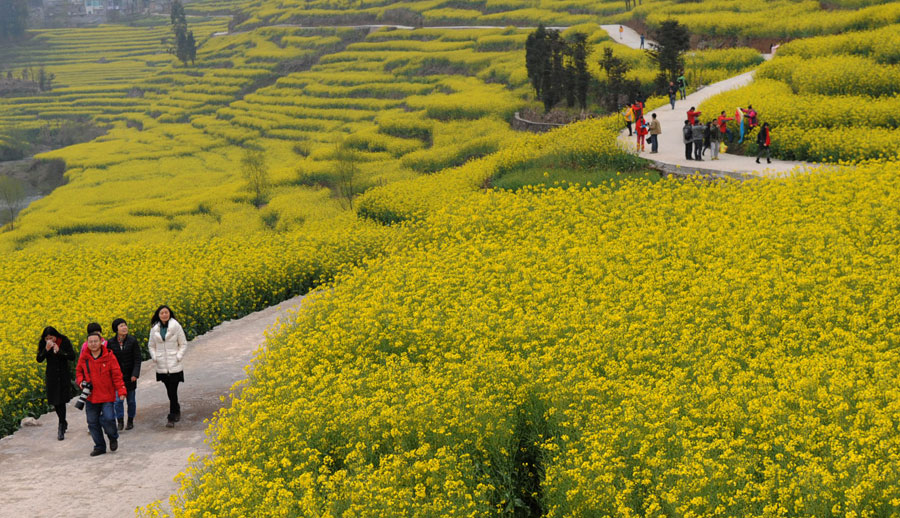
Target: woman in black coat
(57,350)
(128,353)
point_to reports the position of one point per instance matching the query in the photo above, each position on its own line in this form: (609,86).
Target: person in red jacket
(722,123)
(692,115)
(92,328)
(641,133)
(99,370)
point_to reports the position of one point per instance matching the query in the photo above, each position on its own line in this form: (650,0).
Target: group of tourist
(107,371)
(698,136)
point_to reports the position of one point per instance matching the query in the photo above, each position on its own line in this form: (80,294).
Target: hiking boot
(96,452)
(130,424)
(121,421)
(113,444)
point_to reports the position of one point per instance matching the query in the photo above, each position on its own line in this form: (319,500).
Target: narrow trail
(671,146)
(43,477)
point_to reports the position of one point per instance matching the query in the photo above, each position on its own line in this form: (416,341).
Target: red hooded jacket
(104,374)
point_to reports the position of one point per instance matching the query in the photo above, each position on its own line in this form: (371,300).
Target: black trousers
(688,146)
(698,150)
(61,413)
(172,391)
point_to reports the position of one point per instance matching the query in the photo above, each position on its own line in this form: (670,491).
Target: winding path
(43,477)
(671,147)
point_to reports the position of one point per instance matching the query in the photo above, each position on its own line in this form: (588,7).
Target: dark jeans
(628,125)
(766,150)
(698,150)
(172,392)
(654,143)
(101,415)
(672,101)
(687,150)
(120,406)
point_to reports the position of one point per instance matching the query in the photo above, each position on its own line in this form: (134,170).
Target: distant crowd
(698,137)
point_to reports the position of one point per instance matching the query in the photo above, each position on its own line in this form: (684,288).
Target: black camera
(85,393)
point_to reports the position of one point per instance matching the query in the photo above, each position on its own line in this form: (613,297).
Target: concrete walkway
(671,146)
(628,36)
(43,477)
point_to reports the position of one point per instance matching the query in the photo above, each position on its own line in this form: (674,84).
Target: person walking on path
(92,328)
(167,345)
(692,115)
(57,350)
(697,133)
(628,114)
(99,371)
(128,353)
(641,129)
(673,92)
(715,138)
(722,123)
(642,40)
(682,85)
(763,141)
(655,132)
(688,134)
(621,32)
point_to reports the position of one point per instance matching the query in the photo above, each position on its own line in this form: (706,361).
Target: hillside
(609,344)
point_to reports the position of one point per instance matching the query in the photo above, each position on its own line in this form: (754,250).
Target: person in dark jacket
(57,350)
(127,351)
(763,141)
(688,133)
(697,133)
(100,368)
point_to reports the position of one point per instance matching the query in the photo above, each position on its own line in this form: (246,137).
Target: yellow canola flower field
(683,348)
(206,282)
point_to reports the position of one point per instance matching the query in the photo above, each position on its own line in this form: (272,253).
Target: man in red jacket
(692,115)
(100,369)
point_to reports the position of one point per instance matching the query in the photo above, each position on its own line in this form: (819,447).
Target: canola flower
(680,348)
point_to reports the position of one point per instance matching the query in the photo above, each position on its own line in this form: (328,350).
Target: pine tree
(536,57)
(581,77)
(672,40)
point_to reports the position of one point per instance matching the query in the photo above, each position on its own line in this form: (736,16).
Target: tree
(185,45)
(12,194)
(616,84)
(537,55)
(672,40)
(13,19)
(256,172)
(45,80)
(580,76)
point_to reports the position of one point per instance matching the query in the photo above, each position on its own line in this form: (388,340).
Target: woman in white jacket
(167,345)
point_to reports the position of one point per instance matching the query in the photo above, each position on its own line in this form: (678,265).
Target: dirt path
(671,147)
(43,477)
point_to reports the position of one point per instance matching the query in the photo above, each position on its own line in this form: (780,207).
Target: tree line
(557,67)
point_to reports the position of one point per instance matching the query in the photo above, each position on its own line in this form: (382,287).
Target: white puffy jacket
(168,353)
